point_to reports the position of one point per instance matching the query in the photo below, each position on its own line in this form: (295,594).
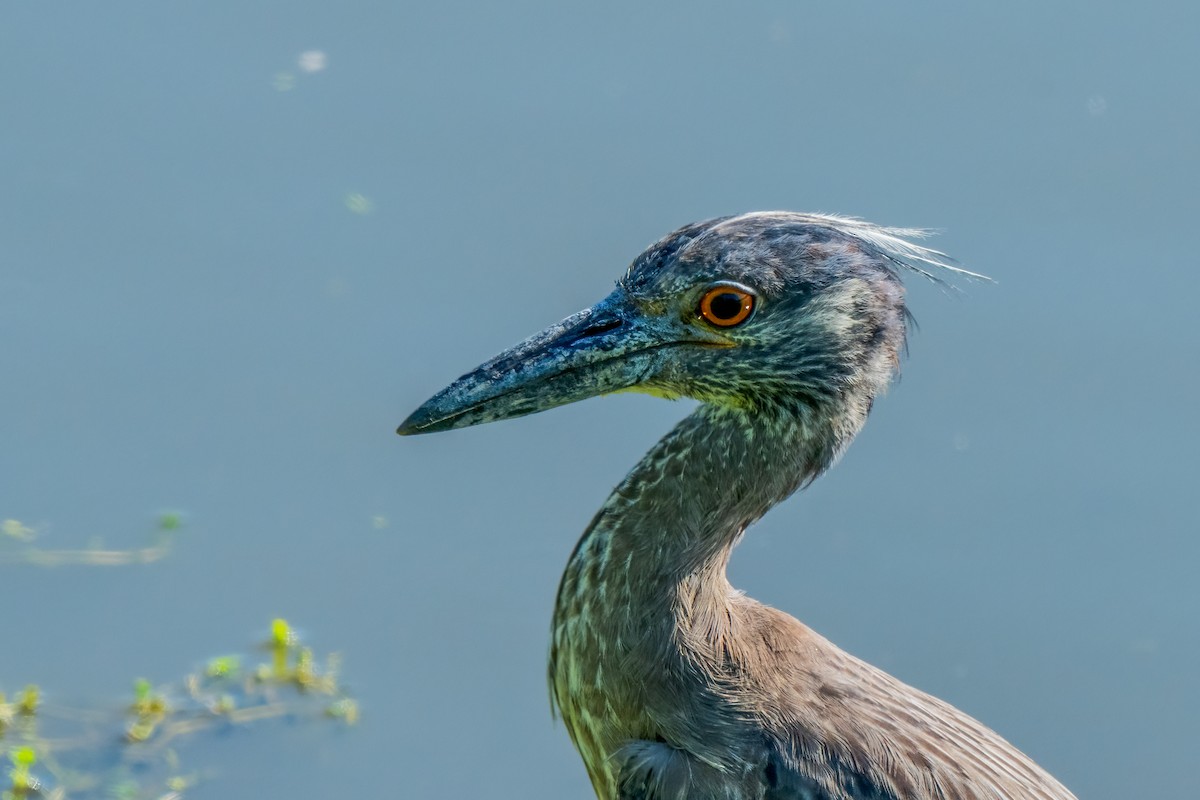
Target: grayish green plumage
(672,684)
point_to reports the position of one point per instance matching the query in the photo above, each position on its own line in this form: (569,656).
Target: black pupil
(726,305)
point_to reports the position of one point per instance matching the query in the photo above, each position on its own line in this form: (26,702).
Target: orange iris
(726,306)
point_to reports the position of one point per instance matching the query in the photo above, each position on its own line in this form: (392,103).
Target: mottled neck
(677,515)
(644,597)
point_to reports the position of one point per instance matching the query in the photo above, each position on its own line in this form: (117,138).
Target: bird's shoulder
(839,728)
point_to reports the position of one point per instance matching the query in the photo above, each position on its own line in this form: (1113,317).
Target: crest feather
(895,244)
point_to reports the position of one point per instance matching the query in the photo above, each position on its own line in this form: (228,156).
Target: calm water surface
(240,242)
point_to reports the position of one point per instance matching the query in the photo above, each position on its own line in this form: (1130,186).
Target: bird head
(759,312)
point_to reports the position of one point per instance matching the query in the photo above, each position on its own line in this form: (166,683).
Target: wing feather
(861,734)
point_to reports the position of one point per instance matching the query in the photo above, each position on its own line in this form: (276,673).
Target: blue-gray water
(224,280)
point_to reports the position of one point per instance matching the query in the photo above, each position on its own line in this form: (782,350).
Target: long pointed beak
(603,349)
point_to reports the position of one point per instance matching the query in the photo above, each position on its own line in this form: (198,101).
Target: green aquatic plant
(133,752)
(26,701)
(344,709)
(21,782)
(17,530)
(23,708)
(223,667)
(148,710)
(18,539)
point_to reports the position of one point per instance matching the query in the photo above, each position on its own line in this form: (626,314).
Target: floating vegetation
(17,546)
(132,752)
(21,782)
(313,60)
(15,529)
(358,203)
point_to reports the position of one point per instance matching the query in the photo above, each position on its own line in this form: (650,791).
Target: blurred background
(240,242)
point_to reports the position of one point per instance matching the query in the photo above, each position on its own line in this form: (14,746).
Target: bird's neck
(665,534)
(644,597)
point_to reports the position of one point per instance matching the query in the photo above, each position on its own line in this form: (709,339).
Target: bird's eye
(726,306)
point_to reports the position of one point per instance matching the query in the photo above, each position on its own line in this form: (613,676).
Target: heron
(672,684)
